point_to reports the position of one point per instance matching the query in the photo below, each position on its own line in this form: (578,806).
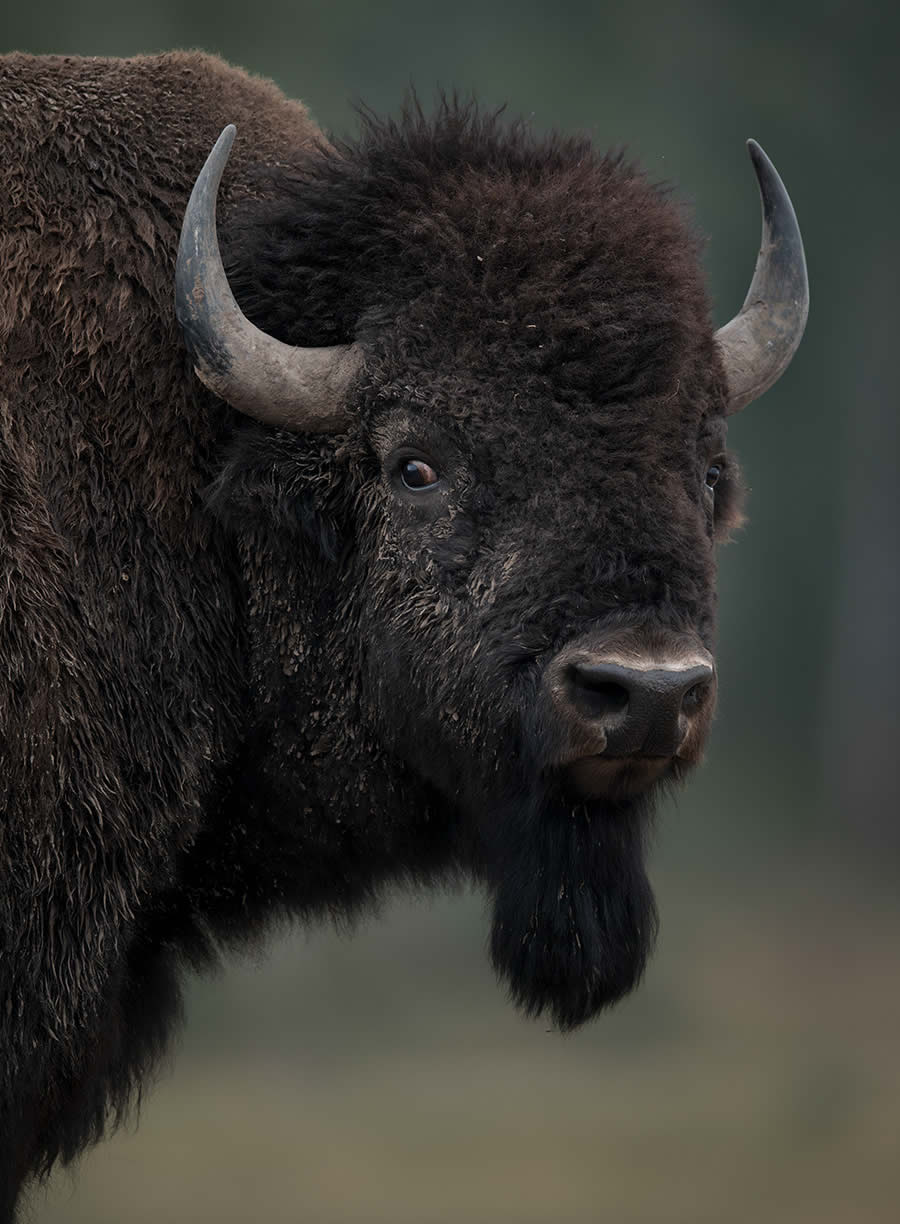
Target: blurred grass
(756,1075)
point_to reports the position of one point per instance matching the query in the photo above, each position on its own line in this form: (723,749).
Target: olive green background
(756,1075)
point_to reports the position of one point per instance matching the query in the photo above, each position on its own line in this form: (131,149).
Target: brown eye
(713,472)
(417,474)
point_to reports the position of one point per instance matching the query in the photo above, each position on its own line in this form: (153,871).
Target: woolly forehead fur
(482,264)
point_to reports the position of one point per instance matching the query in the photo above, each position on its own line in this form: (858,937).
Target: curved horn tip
(758,156)
(214,166)
(769,181)
(226,139)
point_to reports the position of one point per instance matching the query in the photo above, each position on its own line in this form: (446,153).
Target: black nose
(644,711)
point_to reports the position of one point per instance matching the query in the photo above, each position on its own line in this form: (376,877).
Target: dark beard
(574,919)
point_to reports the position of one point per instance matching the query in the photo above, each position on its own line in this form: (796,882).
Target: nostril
(594,694)
(694,697)
(613,696)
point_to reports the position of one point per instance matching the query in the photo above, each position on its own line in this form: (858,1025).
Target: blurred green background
(756,1075)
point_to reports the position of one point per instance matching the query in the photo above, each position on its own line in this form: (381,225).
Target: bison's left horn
(758,344)
(295,388)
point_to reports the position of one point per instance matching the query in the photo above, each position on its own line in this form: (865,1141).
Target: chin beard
(574,919)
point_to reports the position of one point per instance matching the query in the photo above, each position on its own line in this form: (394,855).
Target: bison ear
(300,389)
(759,342)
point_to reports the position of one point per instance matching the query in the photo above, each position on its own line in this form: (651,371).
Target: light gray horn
(759,342)
(301,389)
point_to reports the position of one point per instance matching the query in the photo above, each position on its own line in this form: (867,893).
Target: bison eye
(713,472)
(417,474)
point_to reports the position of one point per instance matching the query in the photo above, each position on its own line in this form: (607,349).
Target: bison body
(254,669)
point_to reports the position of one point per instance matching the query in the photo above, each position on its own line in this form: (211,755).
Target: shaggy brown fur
(247,673)
(119,698)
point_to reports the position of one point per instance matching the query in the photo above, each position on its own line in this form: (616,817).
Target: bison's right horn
(301,389)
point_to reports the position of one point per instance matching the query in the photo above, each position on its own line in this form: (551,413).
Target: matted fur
(244,674)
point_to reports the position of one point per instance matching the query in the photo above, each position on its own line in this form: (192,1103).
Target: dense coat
(120,637)
(243,673)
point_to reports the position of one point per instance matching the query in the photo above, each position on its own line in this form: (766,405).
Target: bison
(415,581)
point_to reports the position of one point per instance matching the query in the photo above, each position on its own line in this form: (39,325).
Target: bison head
(478,525)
